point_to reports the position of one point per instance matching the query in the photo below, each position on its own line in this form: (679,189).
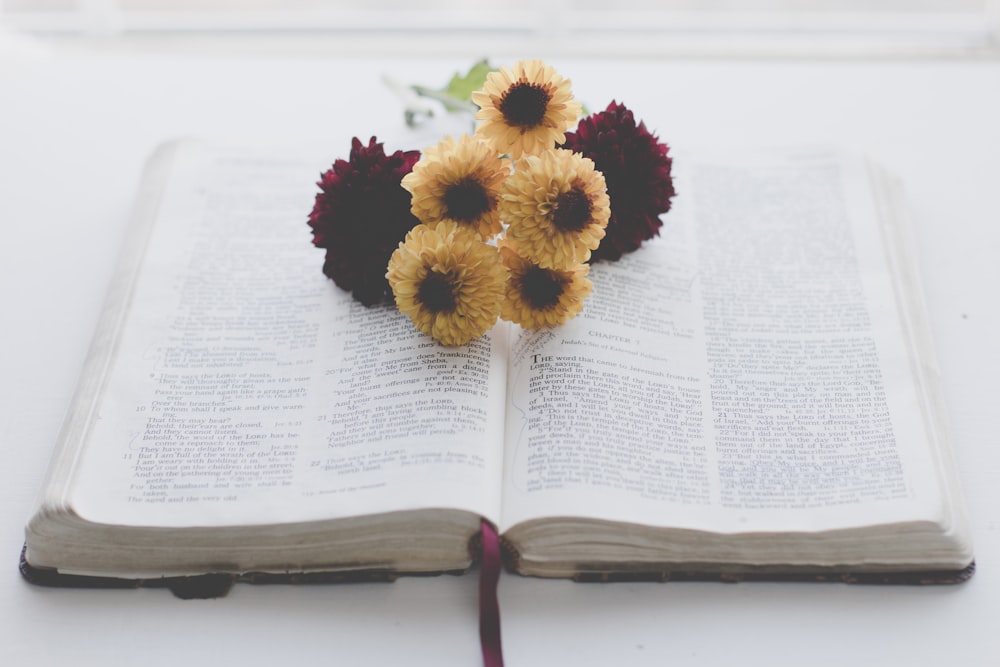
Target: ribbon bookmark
(489,606)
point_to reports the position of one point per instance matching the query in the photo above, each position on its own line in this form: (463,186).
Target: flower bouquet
(502,223)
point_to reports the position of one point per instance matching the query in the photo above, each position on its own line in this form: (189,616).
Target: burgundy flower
(361,215)
(636,167)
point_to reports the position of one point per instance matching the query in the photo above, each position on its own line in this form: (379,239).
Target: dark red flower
(361,215)
(636,167)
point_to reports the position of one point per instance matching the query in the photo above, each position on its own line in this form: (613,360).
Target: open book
(751,395)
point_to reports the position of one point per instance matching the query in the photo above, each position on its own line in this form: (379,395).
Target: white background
(75,129)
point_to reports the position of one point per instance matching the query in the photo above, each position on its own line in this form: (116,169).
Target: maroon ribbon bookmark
(489,606)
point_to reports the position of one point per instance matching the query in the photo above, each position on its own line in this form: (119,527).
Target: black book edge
(735,573)
(218,584)
(210,584)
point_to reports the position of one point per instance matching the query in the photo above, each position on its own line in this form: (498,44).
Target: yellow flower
(458,181)
(448,282)
(527,110)
(556,207)
(537,297)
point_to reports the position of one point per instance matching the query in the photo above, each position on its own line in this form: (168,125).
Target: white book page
(247,388)
(746,371)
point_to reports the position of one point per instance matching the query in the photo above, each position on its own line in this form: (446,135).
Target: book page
(245,387)
(746,371)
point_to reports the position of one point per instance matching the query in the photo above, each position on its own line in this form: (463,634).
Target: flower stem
(450,102)
(415,110)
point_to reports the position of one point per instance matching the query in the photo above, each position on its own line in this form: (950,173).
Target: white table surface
(74,132)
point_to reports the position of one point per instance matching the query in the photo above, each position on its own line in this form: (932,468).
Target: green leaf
(457,95)
(462,87)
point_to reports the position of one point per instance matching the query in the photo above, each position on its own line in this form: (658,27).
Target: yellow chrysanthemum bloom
(458,181)
(537,297)
(527,110)
(448,281)
(556,207)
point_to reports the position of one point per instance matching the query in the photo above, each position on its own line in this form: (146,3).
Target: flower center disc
(466,200)
(436,293)
(572,211)
(541,288)
(524,104)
